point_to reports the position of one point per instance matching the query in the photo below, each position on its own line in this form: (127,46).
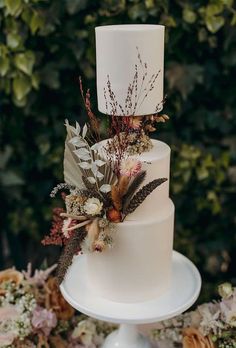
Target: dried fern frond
(142,194)
(69,251)
(133,187)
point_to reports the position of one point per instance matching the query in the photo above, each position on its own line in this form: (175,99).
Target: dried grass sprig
(94,121)
(116,197)
(142,194)
(123,184)
(133,187)
(70,249)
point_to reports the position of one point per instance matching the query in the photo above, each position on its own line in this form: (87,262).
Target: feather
(68,253)
(142,194)
(133,187)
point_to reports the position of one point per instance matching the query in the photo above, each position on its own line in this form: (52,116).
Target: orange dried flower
(56,302)
(114,215)
(192,338)
(10,275)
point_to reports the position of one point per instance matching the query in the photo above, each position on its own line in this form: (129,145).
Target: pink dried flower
(44,320)
(130,167)
(135,122)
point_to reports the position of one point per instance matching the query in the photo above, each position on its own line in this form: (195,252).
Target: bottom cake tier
(138,267)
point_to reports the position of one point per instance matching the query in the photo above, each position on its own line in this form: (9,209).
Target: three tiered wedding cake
(139,266)
(118,212)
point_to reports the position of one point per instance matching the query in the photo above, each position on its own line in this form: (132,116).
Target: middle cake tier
(156,163)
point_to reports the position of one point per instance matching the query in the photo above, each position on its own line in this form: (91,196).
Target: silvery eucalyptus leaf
(76,141)
(85,165)
(85,129)
(83,154)
(100,163)
(91,179)
(105,188)
(99,175)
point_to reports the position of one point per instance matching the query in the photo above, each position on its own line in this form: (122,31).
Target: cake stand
(184,290)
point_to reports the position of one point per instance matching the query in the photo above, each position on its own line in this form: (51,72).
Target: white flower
(93,206)
(225,290)
(85,331)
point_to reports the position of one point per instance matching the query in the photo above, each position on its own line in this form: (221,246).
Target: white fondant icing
(138,268)
(156,162)
(117,55)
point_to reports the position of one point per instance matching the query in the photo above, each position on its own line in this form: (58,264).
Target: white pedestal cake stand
(184,290)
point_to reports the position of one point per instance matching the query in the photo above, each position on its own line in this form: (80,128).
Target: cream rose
(93,206)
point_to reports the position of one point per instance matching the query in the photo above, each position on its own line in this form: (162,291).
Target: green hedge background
(46,44)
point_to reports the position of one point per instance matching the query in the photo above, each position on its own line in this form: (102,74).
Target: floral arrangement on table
(103,182)
(210,325)
(33,314)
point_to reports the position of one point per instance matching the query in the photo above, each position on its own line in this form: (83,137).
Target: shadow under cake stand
(184,290)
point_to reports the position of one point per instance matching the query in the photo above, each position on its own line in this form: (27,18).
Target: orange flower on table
(56,301)
(9,275)
(192,338)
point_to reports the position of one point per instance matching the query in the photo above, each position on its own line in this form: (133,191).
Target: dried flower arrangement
(103,182)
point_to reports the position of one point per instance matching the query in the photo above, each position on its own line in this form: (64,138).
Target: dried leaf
(85,165)
(76,141)
(100,163)
(85,129)
(91,179)
(83,154)
(72,174)
(105,188)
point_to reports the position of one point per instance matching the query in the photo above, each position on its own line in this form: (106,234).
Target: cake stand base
(127,336)
(183,292)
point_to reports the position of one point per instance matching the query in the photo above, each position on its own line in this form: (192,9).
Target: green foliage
(46,45)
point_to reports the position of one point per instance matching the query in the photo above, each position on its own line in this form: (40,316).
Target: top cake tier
(130,64)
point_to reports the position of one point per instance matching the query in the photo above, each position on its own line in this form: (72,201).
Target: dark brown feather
(142,194)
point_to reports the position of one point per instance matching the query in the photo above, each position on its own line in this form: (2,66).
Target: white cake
(117,48)
(138,267)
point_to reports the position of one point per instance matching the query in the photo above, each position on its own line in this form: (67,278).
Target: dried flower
(130,167)
(192,338)
(114,215)
(93,206)
(56,301)
(225,290)
(44,320)
(135,122)
(56,236)
(9,275)
(228,310)
(102,223)
(85,331)
(74,204)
